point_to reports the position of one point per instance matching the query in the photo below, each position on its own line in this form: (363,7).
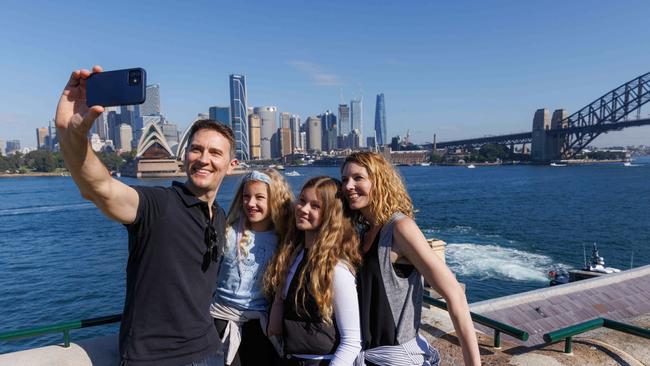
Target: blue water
(62,260)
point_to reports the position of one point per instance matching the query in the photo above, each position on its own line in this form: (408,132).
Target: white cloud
(316,73)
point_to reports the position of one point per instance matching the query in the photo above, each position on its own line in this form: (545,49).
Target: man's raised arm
(73,121)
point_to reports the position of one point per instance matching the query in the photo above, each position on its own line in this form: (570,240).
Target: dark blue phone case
(113,88)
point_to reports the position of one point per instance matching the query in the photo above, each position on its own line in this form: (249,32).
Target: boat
(279,167)
(595,267)
(292,173)
(471,166)
(557,164)
(425,164)
(627,163)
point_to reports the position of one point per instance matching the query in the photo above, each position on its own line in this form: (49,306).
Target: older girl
(396,256)
(256,223)
(316,307)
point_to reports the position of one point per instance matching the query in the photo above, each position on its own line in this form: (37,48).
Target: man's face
(208,160)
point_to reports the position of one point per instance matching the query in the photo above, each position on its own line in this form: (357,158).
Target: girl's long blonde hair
(388,193)
(280,205)
(337,241)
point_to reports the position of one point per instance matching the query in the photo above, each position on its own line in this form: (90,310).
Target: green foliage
(111,160)
(436,158)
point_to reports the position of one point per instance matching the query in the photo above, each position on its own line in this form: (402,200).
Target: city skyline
(459,70)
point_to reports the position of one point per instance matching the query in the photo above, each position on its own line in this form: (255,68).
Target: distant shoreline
(34,174)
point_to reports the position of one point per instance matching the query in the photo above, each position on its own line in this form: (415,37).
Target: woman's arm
(346,312)
(411,244)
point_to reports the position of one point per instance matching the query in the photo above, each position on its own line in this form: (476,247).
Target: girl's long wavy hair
(337,241)
(388,193)
(280,205)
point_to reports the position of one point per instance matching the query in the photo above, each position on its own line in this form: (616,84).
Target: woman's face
(308,210)
(356,185)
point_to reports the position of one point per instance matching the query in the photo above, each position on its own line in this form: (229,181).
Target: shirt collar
(187,196)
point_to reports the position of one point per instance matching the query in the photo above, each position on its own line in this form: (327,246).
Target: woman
(256,222)
(396,256)
(316,308)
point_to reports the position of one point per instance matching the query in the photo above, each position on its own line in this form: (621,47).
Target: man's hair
(210,124)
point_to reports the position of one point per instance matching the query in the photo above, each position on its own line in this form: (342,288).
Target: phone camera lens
(134,77)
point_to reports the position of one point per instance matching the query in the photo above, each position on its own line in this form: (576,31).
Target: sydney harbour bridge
(562,136)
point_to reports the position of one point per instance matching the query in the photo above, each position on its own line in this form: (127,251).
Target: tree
(41,161)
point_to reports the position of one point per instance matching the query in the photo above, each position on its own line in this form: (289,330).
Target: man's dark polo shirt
(166,318)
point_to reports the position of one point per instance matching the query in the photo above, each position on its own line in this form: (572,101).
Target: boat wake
(45,209)
(495,262)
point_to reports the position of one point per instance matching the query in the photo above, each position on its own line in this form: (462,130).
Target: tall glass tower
(380,120)
(220,114)
(239,115)
(356,115)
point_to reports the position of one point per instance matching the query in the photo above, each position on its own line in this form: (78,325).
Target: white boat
(279,167)
(425,164)
(292,173)
(627,163)
(557,164)
(597,263)
(471,166)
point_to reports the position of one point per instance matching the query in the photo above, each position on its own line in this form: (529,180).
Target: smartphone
(117,87)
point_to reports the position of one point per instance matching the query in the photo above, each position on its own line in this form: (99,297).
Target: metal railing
(497,326)
(61,327)
(567,333)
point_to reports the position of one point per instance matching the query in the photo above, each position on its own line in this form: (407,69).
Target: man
(175,236)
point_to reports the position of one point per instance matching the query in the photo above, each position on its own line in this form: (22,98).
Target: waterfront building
(356,116)
(344,120)
(239,115)
(13,146)
(41,136)
(268,116)
(380,120)
(154,157)
(220,114)
(254,122)
(126,135)
(314,134)
(284,141)
(294,125)
(354,139)
(151,106)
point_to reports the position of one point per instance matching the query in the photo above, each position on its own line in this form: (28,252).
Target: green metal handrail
(62,327)
(567,333)
(497,326)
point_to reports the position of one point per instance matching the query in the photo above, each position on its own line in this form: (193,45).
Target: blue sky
(460,70)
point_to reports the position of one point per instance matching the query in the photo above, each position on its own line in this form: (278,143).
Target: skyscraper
(239,115)
(356,116)
(151,106)
(13,146)
(329,128)
(294,125)
(285,120)
(380,120)
(268,115)
(220,114)
(344,119)
(126,135)
(41,136)
(314,134)
(254,122)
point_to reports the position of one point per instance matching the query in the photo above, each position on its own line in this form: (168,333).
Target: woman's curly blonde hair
(280,205)
(388,193)
(337,242)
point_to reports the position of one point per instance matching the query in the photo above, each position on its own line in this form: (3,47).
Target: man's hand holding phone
(72,113)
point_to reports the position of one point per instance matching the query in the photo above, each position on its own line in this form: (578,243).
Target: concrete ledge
(100,351)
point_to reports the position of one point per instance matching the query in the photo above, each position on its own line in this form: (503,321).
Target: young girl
(315,306)
(396,256)
(256,222)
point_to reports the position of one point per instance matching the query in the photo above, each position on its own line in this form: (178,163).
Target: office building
(13,146)
(284,142)
(113,123)
(268,116)
(303,140)
(254,122)
(100,127)
(344,120)
(354,139)
(41,137)
(314,134)
(356,116)
(170,131)
(220,114)
(285,120)
(294,125)
(126,135)
(239,115)
(151,106)
(370,142)
(380,120)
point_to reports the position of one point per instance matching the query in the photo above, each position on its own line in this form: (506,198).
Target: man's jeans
(212,360)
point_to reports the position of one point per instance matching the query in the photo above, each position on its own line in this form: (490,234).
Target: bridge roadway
(527,137)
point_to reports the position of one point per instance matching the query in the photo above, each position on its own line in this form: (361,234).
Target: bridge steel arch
(603,114)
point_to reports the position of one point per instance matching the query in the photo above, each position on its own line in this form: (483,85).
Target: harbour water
(61,259)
